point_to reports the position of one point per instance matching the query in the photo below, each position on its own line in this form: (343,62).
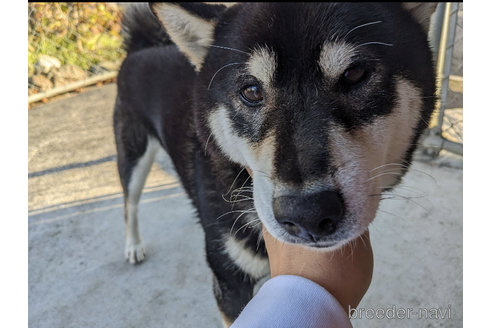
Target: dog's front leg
(233,289)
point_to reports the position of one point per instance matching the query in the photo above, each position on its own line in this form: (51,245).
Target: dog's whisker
(394,195)
(237,219)
(424,173)
(238,192)
(363,239)
(241,193)
(242,199)
(391,213)
(405,187)
(229,48)
(242,186)
(234,197)
(353,245)
(220,69)
(385,165)
(206,144)
(362,25)
(241,190)
(230,212)
(264,174)
(394,172)
(383,174)
(258,241)
(244,226)
(234,182)
(416,192)
(401,197)
(378,43)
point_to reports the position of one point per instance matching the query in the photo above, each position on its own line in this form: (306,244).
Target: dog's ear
(421,11)
(190,26)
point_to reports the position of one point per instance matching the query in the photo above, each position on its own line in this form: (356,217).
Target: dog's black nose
(309,217)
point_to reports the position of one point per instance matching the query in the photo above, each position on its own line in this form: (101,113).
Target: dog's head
(324,102)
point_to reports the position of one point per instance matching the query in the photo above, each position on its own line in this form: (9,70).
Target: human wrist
(345,273)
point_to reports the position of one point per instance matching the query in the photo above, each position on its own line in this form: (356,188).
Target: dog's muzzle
(310,217)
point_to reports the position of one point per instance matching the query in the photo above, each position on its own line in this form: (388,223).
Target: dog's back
(153,87)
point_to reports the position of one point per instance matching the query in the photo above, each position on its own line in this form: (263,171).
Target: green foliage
(81,34)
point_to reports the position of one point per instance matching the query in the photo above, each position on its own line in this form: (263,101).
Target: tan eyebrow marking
(262,65)
(335,58)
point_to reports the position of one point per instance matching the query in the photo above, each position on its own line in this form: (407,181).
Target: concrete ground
(78,276)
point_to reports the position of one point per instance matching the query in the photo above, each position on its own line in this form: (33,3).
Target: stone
(67,74)
(41,82)
(45,64)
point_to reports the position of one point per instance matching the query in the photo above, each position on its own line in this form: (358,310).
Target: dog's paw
(134,253)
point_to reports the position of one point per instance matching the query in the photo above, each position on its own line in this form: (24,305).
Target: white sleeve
(292,301)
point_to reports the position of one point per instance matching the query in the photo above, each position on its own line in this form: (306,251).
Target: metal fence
(76,44)
(445,133)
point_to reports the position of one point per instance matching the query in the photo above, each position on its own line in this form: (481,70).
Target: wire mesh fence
(70,42)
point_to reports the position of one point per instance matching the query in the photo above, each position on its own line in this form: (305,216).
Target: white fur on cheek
(258,157)
(389,137)
(371,159)
(406,114)
(231,145)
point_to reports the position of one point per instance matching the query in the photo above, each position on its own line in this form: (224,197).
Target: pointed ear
(421,11)
(190,26)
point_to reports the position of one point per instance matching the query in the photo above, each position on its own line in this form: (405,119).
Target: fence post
(434,141)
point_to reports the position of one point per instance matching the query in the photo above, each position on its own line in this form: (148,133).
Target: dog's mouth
(332,238)
(318,219)
(323,245)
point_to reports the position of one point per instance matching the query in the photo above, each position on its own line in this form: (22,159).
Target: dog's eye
(252,95)
(353,75)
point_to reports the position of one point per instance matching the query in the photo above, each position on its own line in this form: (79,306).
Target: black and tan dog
(323,102)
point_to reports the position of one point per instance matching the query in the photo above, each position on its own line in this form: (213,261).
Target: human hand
(346,272)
